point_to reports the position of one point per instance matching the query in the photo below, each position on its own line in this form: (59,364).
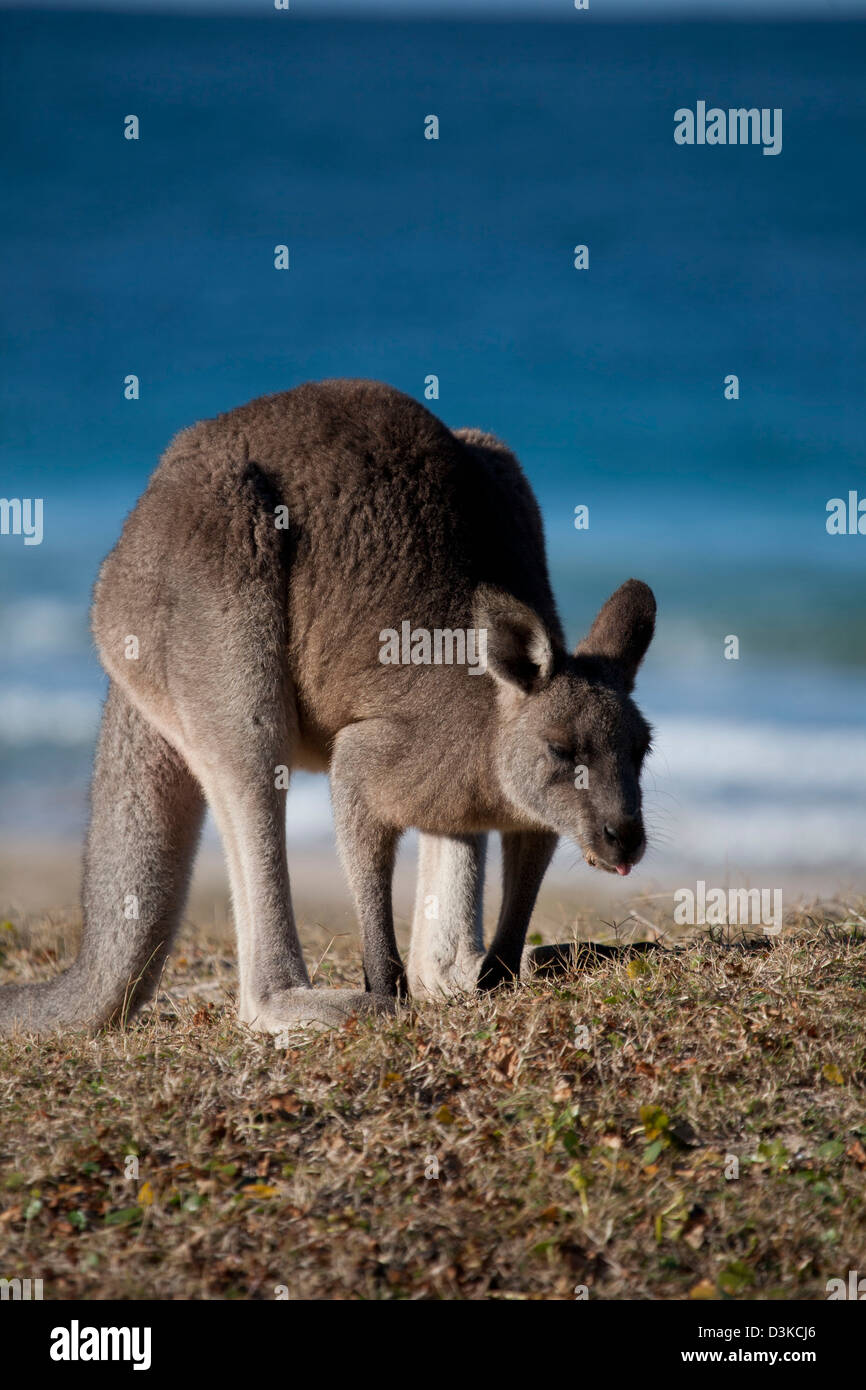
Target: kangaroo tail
(145,819)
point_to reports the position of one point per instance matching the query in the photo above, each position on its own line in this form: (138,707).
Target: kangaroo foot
(435,981)
(314,1008)
(566,957)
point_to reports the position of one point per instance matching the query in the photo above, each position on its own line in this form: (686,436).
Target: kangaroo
(241,618)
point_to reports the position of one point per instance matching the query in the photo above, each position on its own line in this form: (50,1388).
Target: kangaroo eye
(560,752)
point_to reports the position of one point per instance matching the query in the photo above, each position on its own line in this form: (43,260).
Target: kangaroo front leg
(525,857)
(367,846)
(447,945)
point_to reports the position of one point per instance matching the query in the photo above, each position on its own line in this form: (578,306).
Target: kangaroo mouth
(596,862)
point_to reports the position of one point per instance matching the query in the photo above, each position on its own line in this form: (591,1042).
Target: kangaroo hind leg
(213,674)
(242,750)
(146,811)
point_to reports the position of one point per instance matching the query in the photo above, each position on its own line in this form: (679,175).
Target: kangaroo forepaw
(547,961)
(536,962)
(313,1008)
(465,976)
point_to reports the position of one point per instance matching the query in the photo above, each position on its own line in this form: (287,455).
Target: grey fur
(258,647)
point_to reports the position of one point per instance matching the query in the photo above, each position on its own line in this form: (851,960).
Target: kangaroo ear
(519,649)
(623,628)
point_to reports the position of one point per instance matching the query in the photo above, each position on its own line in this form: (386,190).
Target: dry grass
(564,1158)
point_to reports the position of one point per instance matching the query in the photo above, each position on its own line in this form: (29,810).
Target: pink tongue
(623,869)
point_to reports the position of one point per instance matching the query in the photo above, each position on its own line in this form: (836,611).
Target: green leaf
(736,1277)
(124,1216)
(774,1152)
(834,1148)
(570,1142)
(655,1121)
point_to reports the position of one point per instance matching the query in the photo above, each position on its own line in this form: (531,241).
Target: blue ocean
(454,258)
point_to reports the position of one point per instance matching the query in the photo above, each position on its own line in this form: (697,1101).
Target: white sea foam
(31,716)
(748,794)
(52,626)
(721,754)
(717,791)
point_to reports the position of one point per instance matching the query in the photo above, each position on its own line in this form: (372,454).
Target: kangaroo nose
(625,835)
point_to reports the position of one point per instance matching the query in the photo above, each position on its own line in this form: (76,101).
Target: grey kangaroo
(240,618)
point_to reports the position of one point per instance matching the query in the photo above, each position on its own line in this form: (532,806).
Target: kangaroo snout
(624,844)
(626,839)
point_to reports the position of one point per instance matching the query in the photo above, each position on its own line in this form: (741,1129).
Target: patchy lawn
(685,1122)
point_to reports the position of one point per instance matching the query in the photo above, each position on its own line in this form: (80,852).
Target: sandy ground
(44,877)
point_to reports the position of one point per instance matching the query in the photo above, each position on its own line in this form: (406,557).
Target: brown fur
(259,647)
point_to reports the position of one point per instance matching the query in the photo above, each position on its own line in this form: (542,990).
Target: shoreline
(39,876)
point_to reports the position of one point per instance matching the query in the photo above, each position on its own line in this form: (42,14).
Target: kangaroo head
(569,741)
